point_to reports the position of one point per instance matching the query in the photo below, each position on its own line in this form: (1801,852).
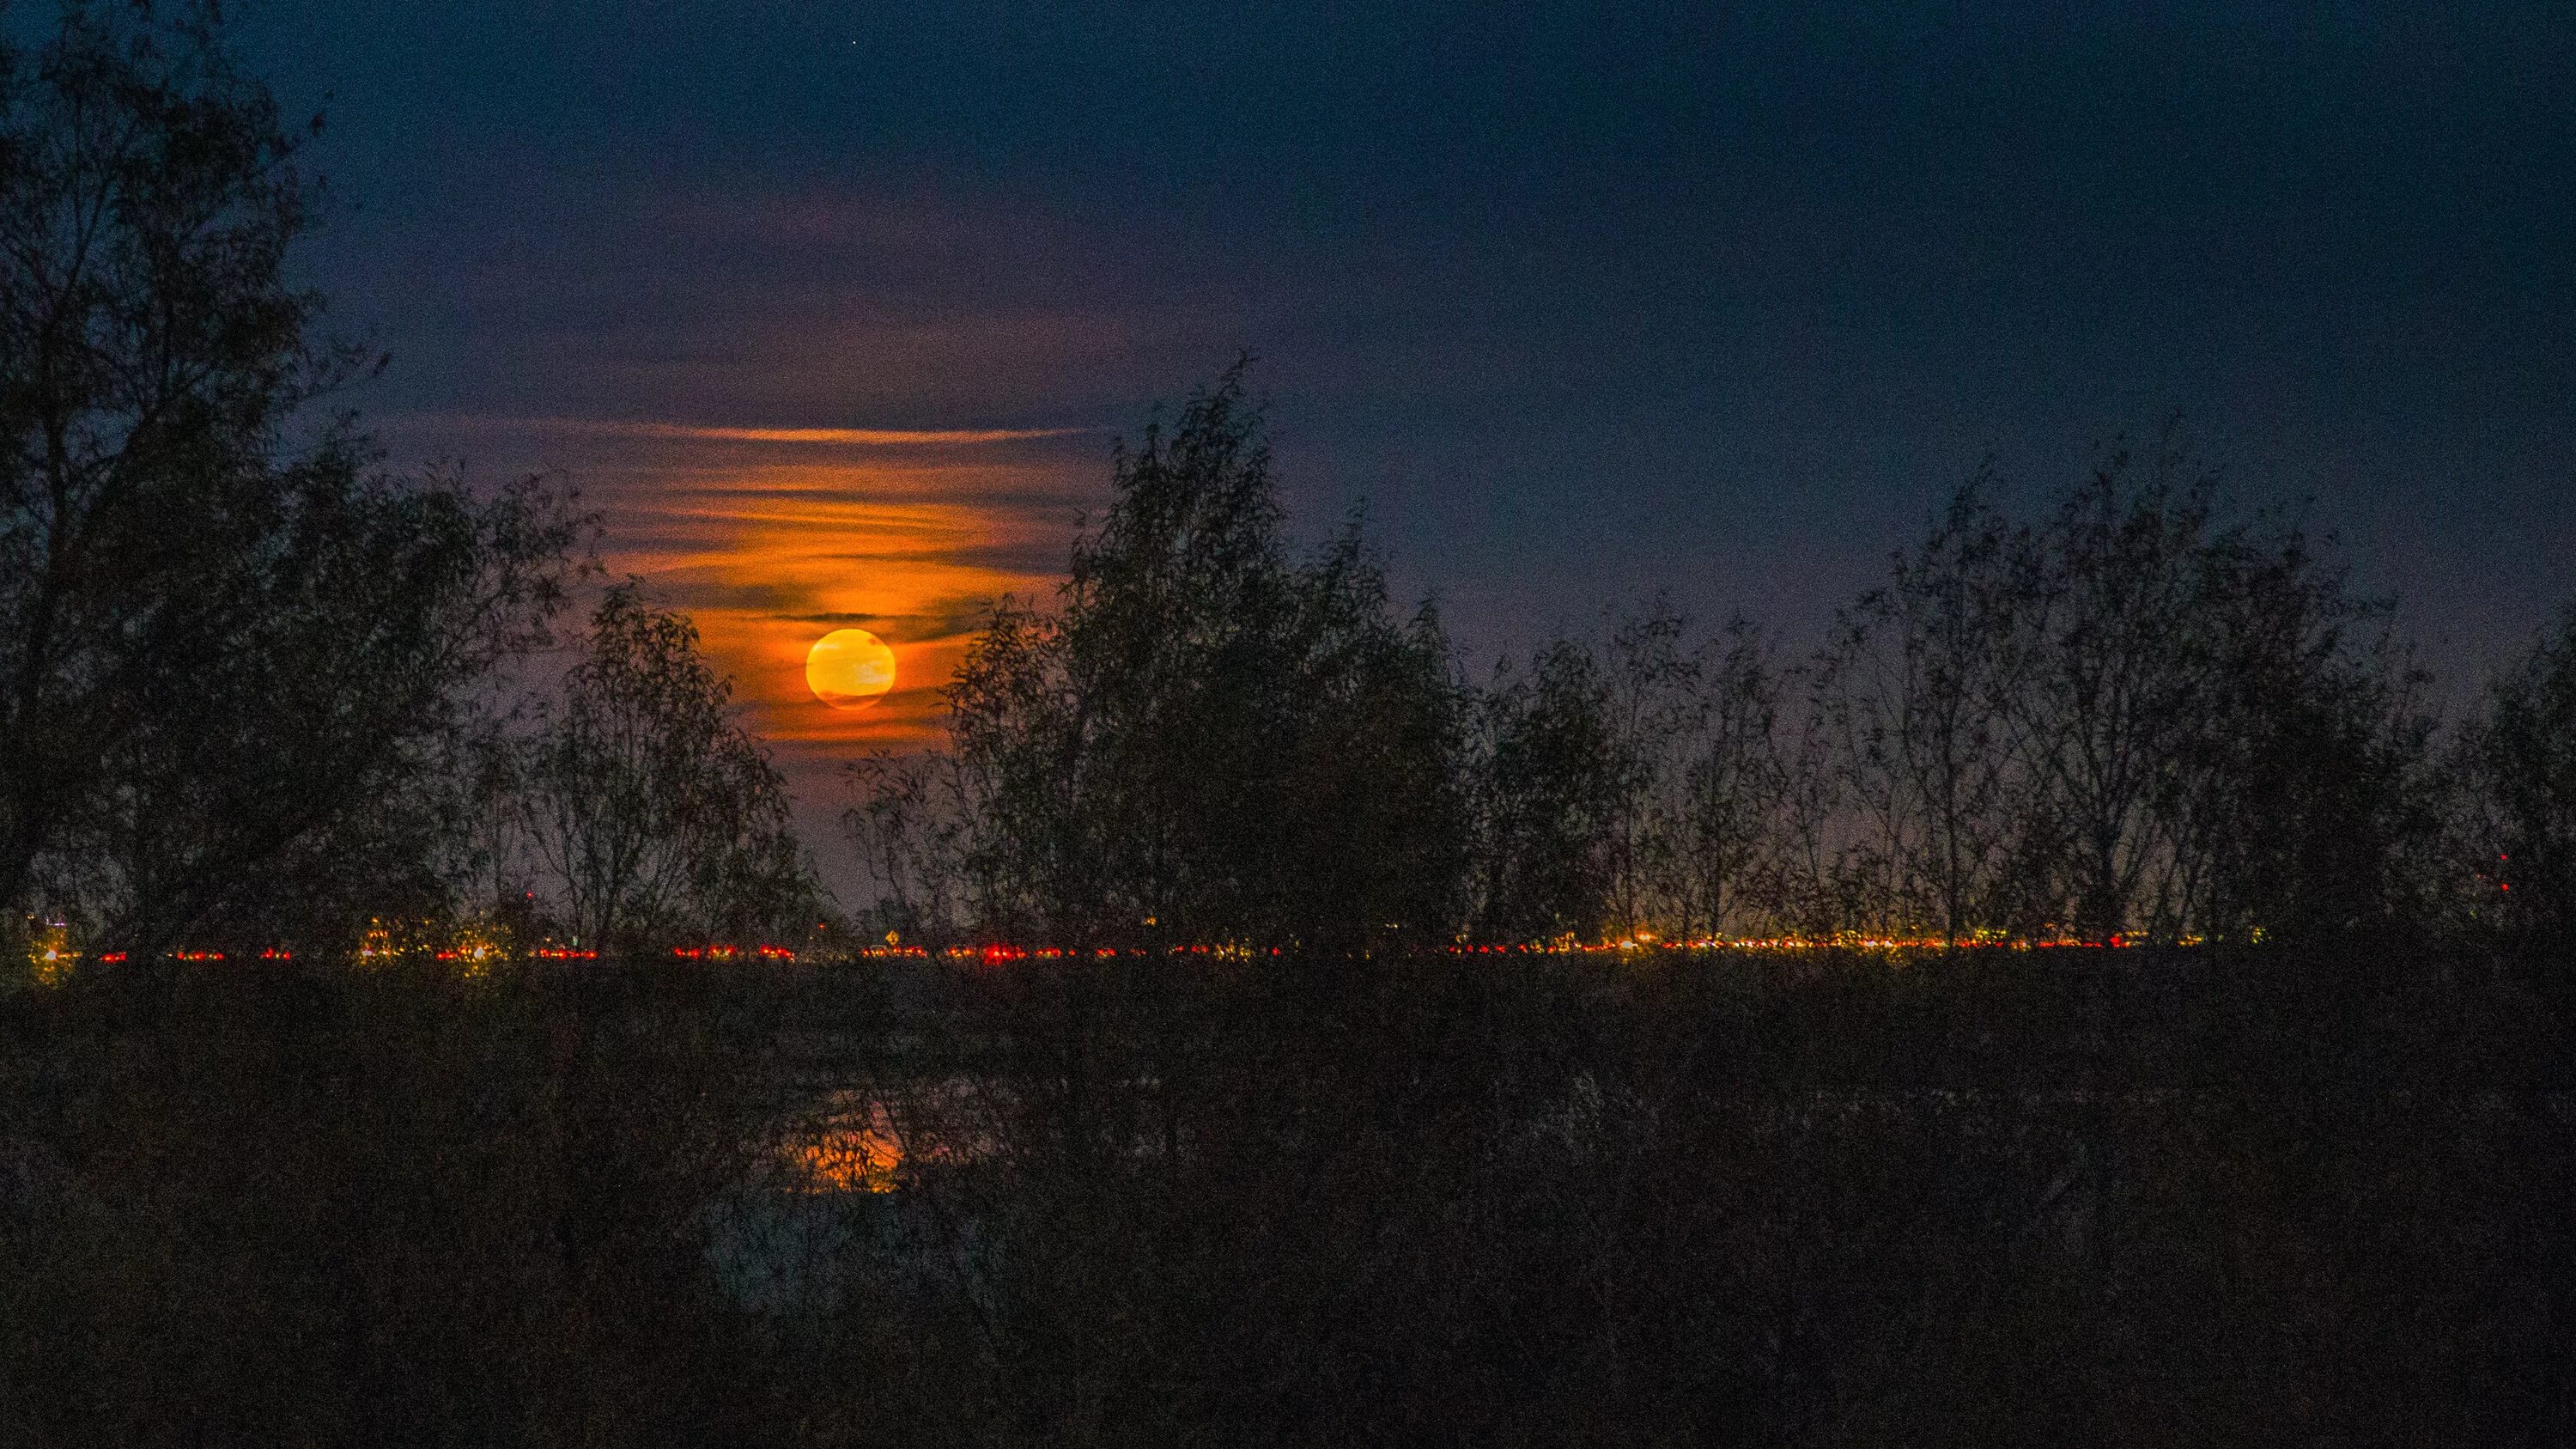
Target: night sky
(834,310)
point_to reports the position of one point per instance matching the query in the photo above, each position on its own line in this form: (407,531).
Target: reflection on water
(862,1141)
(825,1214)
(852,1149)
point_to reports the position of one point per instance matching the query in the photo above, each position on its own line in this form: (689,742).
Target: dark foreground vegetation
(1814,1198)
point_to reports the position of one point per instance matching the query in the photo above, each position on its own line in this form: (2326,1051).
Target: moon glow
(849,668)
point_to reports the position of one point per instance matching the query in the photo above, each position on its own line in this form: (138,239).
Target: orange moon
(849,668)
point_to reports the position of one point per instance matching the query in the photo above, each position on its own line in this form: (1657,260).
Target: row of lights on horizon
(51,954)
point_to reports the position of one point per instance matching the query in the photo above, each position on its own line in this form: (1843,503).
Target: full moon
(849,668)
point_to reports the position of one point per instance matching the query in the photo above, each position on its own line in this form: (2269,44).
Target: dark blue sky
(1585,302)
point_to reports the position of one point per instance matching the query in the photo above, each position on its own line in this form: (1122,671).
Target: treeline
(2136,715)
(254,688)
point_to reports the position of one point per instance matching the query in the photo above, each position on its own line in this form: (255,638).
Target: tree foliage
(2520,769)
(1206,739)
(1910,692)
(1556,784)
(2135,714)
(234,658)
(2131,716)
(648,811)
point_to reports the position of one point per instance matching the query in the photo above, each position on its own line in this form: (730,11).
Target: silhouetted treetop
(2135,713)
(648,813)
(1206,739)
(2521,775)
(236,661)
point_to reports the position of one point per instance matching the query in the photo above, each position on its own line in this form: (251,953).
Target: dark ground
(2044,1198)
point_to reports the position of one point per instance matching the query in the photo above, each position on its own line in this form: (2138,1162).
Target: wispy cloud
(768,553)
(770,537)
(693,432)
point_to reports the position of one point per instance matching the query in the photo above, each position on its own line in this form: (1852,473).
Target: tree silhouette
(2114,649)
(232,657)
(2303,778)
(647,809)
(1553,781)
(1206,740)
(1910,693)
(2521,759)
(2129,716)
(1734,791)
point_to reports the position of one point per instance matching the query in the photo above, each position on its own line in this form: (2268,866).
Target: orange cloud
(846,437)
(772,538)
